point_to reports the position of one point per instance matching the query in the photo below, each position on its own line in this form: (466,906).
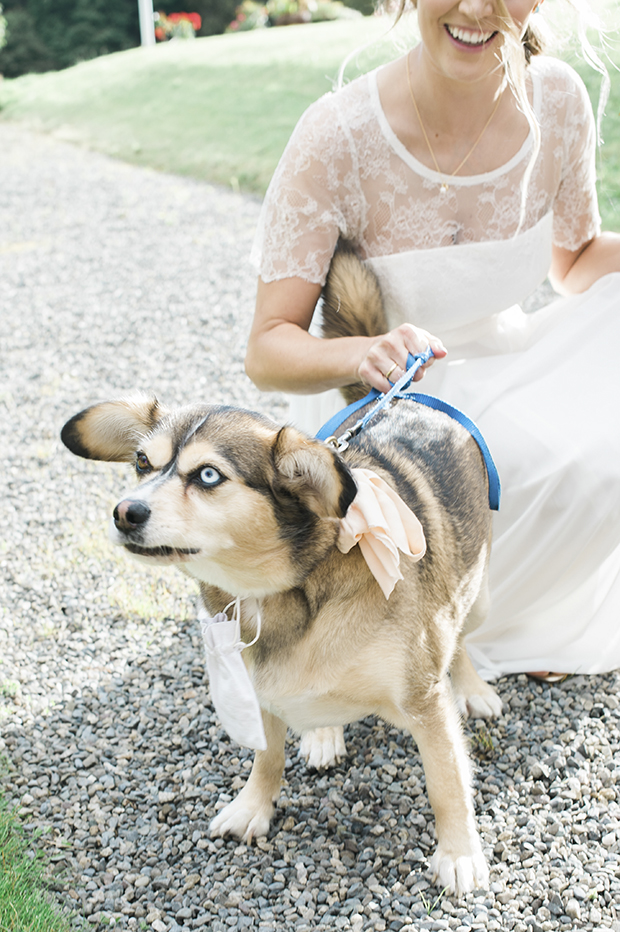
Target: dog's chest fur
(332,649)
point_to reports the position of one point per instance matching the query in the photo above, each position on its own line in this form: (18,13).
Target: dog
(253,509)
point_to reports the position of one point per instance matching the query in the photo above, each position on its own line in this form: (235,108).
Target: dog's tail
(352,305)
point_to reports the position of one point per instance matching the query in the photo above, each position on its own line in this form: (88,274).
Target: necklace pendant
(443,187)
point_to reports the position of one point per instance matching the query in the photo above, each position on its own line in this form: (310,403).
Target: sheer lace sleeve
(575,209)
(313,198)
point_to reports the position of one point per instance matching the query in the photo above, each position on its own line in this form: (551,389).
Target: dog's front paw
(246,817)
(472,695)
(323,747)
(482,702)
(459,875)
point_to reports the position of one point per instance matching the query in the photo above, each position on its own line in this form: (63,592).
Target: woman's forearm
(286,358)
(283,356)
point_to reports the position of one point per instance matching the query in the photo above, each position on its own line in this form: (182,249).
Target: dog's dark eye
(210,477)
(142,464)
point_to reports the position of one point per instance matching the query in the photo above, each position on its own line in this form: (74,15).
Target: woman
(431,167)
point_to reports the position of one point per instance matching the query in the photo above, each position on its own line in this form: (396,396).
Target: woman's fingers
(386,360)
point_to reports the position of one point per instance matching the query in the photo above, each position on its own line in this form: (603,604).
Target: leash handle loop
(327,433)
(413,364)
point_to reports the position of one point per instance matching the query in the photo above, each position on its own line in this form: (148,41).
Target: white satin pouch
(382,524)
(232,692)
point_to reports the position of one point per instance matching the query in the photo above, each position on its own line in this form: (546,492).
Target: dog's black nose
(129,514)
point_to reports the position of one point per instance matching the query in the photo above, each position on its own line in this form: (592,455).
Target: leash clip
(339,444)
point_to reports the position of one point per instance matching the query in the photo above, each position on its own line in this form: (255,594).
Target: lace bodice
(345,173)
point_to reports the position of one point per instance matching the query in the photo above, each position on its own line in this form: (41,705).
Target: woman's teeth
(469,37)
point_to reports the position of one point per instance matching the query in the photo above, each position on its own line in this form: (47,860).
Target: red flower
(193,18)
(160,35)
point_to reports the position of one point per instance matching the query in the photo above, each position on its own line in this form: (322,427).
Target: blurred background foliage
(48,35)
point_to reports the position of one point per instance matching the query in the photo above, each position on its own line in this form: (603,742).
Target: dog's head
(238,501)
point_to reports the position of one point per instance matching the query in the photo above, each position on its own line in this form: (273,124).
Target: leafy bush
(249,15)
(2,29)
(44,35)
(76,30)
(255,15)
(24,51)
(176,26)
(367,7)
(215,14)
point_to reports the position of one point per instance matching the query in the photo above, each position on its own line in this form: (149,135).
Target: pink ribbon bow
(382,524)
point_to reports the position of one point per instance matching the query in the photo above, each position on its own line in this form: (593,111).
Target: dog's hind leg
(323,747)
(472,695)
(458,863)
(249,814)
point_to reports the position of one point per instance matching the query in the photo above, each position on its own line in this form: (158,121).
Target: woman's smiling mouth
(470,38)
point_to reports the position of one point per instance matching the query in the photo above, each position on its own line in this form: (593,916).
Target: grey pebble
(115,278)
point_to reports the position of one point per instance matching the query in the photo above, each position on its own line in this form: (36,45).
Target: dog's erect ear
(112,430)
(314,473)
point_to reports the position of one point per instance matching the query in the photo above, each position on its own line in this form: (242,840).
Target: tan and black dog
(252,509)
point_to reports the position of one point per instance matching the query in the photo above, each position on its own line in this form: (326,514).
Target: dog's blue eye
(142,463)
(210,476)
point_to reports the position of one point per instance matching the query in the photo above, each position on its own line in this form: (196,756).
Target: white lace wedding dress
(544,388)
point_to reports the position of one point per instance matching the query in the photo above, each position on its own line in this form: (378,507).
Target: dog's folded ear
(112,430)
(313,473)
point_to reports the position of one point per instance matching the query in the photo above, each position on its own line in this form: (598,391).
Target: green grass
(608,159)
(24,905)
(222,108)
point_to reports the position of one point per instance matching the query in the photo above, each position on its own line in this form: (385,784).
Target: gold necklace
(444,185)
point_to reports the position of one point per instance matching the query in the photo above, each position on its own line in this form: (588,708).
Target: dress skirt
(546,396)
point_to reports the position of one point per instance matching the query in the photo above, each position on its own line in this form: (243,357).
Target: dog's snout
(130,514)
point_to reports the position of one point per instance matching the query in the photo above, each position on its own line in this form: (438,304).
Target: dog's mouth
(167,554)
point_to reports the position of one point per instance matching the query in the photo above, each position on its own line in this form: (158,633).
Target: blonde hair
(534,41)
(517,51)
(587,19)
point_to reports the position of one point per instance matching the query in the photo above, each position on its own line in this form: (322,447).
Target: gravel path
(115,278)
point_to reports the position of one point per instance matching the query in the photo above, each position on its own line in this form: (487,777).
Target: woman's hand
(282,356)
(386,359)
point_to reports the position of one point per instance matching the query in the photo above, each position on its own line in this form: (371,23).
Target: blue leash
(398,390)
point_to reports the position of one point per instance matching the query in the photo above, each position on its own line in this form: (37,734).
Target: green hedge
(218,14)
(215,14)
(47,35)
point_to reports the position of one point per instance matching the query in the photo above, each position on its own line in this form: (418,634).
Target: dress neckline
(455,180)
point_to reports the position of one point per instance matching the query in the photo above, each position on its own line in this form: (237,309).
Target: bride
(464,174)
